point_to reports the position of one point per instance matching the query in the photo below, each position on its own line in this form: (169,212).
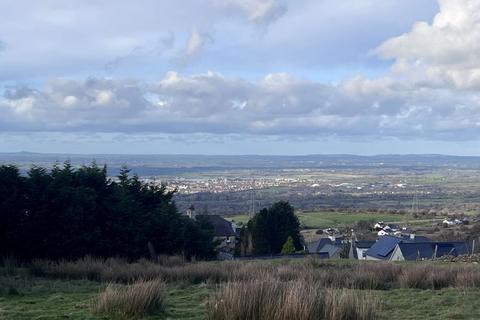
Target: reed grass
(132,301)
(293,300)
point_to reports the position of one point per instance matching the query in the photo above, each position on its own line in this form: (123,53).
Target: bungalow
(224,232)
(427,250)
(327,248)
(379,226)
(394,227)
(383,248)
(358,249)
(448,222)
(384,232)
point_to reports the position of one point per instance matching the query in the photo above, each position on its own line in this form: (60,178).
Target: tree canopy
(271,227)
(71,212)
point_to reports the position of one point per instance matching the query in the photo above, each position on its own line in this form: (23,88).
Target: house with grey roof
(383,248)
(358,249)
(427,250)
(225,232)
(327,248)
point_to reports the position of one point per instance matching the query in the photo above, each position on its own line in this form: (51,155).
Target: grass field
(23,296)
(53,299)
(324,219)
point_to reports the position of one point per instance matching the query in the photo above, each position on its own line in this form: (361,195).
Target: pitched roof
(426,250)
(363,244)
(325,246)
(222,227)
(416,251)
(393,226)
(315,247)
(330,249)
(383,248)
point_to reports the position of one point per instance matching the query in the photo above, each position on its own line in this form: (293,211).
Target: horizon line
(238,155)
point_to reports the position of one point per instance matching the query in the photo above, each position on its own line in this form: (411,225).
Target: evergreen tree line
(67,213)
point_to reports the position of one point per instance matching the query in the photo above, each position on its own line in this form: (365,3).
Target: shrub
(288,246)
(135,300)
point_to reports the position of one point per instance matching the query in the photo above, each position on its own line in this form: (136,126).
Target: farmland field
(324,219)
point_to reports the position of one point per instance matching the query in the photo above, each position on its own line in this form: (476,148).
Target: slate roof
(416,251)
(330,250)
(363,244)
(359,244)
(326,247)
(426,250)
(222,227)
(393,226)
(383,248)
(315,247)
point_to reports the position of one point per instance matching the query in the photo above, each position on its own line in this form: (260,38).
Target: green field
(324,219)
(59,299)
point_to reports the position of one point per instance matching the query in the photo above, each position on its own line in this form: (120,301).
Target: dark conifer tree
(270,228)
(69,213)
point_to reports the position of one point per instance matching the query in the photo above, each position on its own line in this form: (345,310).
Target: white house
(379,225)
(383,233)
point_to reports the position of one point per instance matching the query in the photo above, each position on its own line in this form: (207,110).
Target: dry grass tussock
(360,275)
(131,301)
(292,300)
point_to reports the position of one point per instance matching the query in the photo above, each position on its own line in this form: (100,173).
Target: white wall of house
(361,253)
(397,254)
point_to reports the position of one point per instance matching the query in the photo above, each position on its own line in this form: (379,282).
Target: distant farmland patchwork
(230,185)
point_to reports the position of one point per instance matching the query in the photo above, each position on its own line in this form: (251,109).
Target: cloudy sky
(240,76)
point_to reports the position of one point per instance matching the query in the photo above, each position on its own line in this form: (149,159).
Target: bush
(288,246)
(136,300)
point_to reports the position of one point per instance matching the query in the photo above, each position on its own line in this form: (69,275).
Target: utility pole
(252,212)
(415,197)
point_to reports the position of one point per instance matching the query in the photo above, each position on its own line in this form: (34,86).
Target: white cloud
(70,101)
(195,43)
(430,92)
(446,52)
(278,104)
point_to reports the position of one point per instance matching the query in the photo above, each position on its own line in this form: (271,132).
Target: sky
(240,76)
